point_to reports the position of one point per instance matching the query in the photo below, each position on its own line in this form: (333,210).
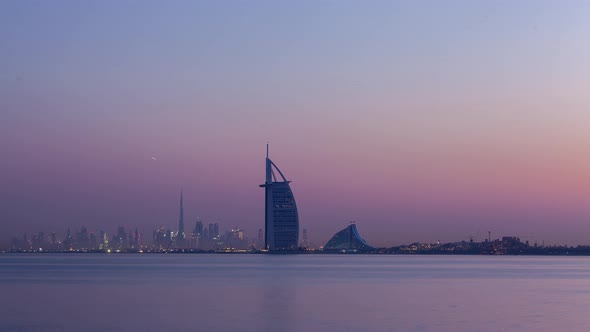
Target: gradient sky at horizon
(421,120)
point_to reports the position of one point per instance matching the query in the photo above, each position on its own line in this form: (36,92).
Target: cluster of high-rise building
(202,237)
(81,240)
(280,234)
(281,229)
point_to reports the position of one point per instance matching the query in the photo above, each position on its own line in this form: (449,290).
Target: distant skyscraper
(103,239)
(68,241)
(196,235)
(83,239)
(211,231)
(260,239)
(180,236)
(162,237)
(281,220)
(198,228)
(121,239)
(93,243)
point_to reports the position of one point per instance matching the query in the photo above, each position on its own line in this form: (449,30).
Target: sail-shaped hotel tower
(281,220)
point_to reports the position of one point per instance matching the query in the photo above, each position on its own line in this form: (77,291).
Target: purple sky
(421,120)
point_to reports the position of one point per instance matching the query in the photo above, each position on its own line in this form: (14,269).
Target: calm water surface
(93,292)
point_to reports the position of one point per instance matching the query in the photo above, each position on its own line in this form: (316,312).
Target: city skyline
(421,121)
(280,235)
(207,238)
(167,238)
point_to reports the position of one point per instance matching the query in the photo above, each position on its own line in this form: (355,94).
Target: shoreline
(317,253)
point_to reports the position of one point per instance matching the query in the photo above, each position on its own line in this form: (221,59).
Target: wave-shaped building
(348,240)
(281,220)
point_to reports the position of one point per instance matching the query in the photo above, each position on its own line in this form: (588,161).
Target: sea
(258,292)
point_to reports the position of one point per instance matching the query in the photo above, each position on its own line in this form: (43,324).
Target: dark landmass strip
(504,246)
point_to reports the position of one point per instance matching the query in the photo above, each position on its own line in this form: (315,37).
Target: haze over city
(420,122)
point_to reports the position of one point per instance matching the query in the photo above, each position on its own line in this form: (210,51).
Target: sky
(422,121)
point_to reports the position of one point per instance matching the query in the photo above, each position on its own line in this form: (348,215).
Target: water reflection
(292,293)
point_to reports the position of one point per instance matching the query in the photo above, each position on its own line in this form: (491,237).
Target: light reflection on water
(91,292)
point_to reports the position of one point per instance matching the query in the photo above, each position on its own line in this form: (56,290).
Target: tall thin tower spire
(180,236)
(268,167)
